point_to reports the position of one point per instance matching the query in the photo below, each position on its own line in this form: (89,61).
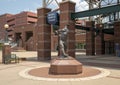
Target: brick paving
(9,73)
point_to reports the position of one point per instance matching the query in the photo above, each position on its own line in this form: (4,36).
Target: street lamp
(6,26)
(6,50)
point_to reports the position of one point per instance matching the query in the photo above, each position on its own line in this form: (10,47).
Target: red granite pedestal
(6,50)
(65,66)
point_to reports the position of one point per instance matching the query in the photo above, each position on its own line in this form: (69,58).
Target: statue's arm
(56,32)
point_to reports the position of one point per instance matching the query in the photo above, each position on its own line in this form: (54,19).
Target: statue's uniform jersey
(63,34)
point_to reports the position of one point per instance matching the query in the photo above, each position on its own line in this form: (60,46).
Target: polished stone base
(6,50)
(65,66)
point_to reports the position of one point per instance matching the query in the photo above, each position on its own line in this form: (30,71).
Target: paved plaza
(9,73)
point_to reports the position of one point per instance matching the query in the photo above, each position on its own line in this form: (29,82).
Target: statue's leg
(62,48)
(65,48)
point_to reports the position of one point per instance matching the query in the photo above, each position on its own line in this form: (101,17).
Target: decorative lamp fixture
(6,26)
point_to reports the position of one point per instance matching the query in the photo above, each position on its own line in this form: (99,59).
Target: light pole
(6,50)
(6,26)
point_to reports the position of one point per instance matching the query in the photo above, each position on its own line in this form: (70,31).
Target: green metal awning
(97,11)
(106,31)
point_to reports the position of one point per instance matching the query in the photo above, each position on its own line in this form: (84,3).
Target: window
(80,45)
(32,16)
(10,20)
(29,34)
(31,22)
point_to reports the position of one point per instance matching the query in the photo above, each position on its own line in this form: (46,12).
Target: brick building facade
(23,28)
(13,21)
(24,25)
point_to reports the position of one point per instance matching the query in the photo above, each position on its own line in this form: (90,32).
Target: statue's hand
(56,32)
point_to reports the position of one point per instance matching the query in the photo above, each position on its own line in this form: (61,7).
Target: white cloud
(55,3)
(35,11)
(28,9)
(80,4)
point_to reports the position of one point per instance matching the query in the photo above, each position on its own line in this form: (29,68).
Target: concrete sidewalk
(109,61)
(9,73)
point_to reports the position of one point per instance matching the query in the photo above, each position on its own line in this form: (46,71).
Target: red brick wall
(44,35)
(100,44)
(108,37)
(23,29)
(66,7)
(22,19)
(117,32)
(90,39)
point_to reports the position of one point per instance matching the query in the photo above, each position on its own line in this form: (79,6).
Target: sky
(17,6)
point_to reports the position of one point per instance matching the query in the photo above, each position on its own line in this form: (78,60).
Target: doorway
(109,47)
(29,34)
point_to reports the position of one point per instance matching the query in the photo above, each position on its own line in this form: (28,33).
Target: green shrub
(1,46)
